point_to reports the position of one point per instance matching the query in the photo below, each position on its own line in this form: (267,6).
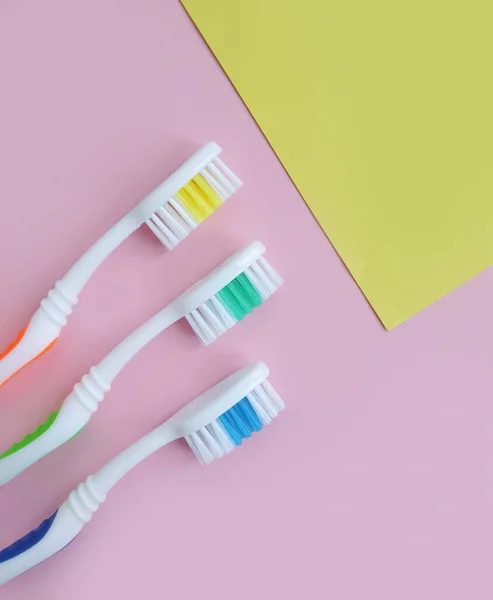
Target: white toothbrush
(211,306)
(213,425)
(171,211)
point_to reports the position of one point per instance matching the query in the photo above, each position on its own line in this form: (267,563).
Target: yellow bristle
(209,193)
(199,198)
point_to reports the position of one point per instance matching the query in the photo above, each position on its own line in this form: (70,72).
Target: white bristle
(216,184)
(262,398)
(222,180)
(227,318)
(188,219)
(215,327)
(213,318)
(156,226)
(263,288)
(200,449)
(201,327)
(228,172)
(221,437)
(263,415)
(273,396)
(211,315)
(268,274)
(173,222)
(271,273)
(274,399)
(213,441)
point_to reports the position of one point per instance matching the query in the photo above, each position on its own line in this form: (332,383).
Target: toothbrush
(211,307)
(213,425)
(171,211)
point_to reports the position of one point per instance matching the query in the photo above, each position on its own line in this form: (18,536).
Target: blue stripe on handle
(28,541)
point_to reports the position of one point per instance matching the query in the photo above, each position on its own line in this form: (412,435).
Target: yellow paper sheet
(382,113)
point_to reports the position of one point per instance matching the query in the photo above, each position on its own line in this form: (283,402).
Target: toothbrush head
(191,195)
(229,293)
(218,421)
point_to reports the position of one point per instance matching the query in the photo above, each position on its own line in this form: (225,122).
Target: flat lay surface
(373,484)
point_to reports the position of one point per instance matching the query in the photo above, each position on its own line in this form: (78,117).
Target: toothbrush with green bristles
(211,306)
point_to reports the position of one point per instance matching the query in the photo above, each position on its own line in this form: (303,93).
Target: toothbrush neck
(79,274)
(116,360)
(119,466)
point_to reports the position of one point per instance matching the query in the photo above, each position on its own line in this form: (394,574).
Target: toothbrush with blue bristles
(213,424)
(212,306)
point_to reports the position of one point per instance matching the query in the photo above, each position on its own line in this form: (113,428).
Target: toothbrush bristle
(249,415)
(191,205)
(237,299)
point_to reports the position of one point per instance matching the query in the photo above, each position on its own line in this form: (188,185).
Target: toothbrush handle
(75,280)
(118,467)
(45,326)
(61,528)
(32,342)
(108,369)
(82,402)
(60,427)
(54,534)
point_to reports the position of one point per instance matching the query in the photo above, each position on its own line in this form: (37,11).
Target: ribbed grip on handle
(90,391)
(60,427)
(58,304)
(85,500)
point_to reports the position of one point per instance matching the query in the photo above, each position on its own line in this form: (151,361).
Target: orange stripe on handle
(11,346)
(15,343)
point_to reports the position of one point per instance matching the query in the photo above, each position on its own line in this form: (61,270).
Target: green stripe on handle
(43,428)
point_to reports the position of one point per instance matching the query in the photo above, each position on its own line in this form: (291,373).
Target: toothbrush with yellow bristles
(172,211)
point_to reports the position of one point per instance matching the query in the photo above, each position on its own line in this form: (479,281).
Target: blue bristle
(230,428)
(242,426)
(240,421)
(250,415)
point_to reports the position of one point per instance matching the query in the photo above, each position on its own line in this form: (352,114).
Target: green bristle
(240,297)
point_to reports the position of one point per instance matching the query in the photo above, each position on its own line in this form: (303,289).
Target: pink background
(375,484)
